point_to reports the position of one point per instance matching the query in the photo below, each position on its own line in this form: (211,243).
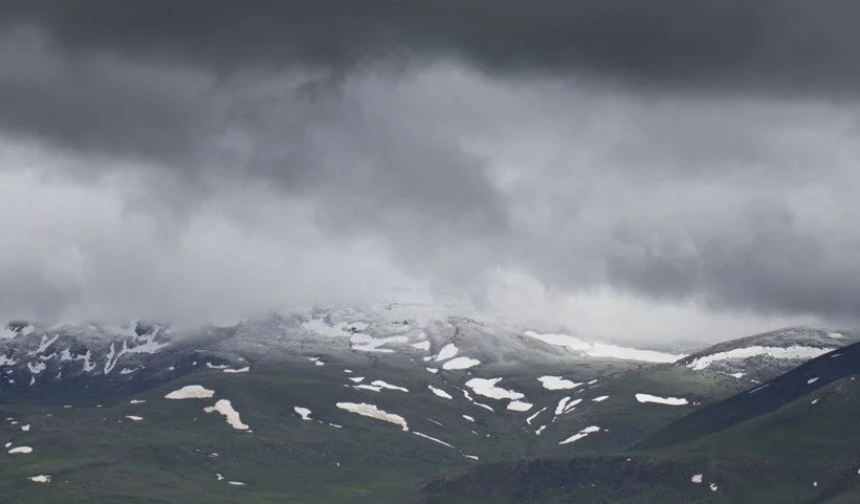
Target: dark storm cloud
(460,137)
(289,128)
(791,44)
(94,104)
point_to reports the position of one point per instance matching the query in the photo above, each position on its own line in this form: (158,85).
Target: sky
(649,171)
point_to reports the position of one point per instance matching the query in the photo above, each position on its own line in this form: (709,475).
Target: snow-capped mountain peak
(769,353)
(445,338)
(31,353)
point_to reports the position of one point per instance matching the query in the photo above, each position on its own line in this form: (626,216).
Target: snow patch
(240,370)
(557,383)
(42,478)
(191,392)
(531,418)
(581,434)
(697,478)
(303,412)
(145,344)
(21,449)
(379,385)
(6,332)
(669,401)
(481,405)
(371,411)
(439,392)
(795,352)
(521,406)
(447,352)
(572,404)
(562,403)
(603,349)
(134,418)
(45,343)
(601,398)
(425,436)
(565,405)
(367,387)
(487,388)
(461,363)
(37,367)
(225,408)
(366,343)
(388,386)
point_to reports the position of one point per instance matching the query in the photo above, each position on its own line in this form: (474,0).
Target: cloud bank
(638,169)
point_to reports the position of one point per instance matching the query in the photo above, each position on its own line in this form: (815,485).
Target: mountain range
(416,404)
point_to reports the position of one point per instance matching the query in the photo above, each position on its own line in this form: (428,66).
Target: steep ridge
(636,404)
(762,399)
(804,452)
(812,441)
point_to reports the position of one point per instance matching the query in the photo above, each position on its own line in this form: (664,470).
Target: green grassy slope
(799,453)
(802,453)
(761,400)
(626,421)
(96,454)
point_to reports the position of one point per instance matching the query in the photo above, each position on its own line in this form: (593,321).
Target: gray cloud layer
(783,43)
(637,145)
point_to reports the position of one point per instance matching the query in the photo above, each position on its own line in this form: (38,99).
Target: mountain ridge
(341,405)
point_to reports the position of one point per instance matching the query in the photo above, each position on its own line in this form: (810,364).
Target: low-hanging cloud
(398,144)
